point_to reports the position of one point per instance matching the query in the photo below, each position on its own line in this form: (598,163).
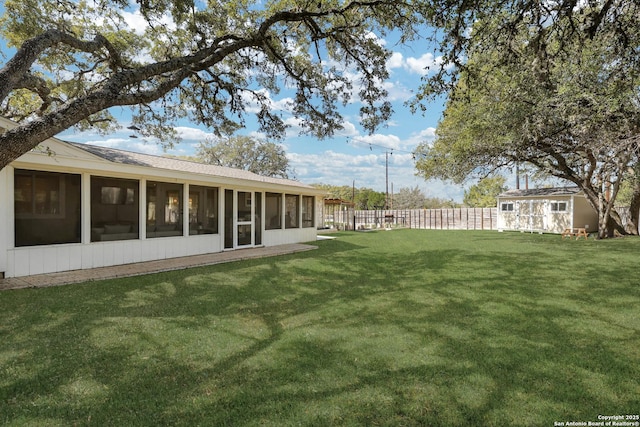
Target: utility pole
(386,168)
(353,192)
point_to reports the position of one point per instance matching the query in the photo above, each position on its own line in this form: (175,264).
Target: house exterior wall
(5,225)
(30,260)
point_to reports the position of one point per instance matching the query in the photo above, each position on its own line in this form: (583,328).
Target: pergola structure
(338,213)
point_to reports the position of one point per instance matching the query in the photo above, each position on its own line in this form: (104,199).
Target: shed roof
(168,163)
(541,192)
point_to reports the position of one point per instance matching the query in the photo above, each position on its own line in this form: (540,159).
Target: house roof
(168,163)
(541,192)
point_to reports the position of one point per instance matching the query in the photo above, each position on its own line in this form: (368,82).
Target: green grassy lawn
(404,327)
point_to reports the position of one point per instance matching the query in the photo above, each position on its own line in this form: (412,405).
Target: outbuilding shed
(545,210)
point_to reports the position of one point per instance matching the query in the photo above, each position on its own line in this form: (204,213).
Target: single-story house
(546,210)
(69,206)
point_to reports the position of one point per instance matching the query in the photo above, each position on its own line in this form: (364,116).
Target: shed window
(558,206)
(506,207)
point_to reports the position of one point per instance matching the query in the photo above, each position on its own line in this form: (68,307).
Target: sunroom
(74,206)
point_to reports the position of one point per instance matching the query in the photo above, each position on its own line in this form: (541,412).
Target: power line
(382,147)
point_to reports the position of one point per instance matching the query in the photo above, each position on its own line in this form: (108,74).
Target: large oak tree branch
(20,64)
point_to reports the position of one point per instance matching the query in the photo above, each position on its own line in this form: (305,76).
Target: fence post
(490,219)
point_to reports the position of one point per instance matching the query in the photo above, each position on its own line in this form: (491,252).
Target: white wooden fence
(435,219)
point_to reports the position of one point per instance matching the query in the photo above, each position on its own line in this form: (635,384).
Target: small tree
(243,152)
(367,199)
(409,198)
(485,192)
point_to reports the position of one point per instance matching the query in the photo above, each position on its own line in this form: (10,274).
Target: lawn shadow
(346,334)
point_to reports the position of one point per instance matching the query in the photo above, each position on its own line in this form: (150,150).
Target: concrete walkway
(140,268)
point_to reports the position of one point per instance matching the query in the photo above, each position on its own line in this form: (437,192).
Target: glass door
(244,225)
(242,219)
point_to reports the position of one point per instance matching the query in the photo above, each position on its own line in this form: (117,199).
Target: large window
(47,208)
(273,211)
(164,209)
(308,211)
(203,210)
(115,204)
(292,204)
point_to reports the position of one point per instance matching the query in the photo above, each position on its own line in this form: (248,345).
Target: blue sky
(351,155)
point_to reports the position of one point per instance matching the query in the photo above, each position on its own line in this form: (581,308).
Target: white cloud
(348,129)
(135,21)
(128,144)
(397,91)
(192,134)
(393,142)
(378,40)
(139,24)
(424,64)
(109,142)
(368,170)
(428,134)
(252,106)
(396,61)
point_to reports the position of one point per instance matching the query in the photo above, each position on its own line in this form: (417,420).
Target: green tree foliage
(244,152)
(439,203)
(485,193)
(368,199)
(553,88)
(211,62)
(343,192)
(365,198)
(409,198)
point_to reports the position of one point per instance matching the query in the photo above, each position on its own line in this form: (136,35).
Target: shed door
(532,215)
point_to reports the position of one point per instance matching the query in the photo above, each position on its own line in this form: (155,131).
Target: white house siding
(23,261)
(29,260)
(283,237)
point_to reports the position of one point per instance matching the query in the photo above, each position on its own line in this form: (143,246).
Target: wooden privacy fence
(435,219)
